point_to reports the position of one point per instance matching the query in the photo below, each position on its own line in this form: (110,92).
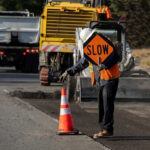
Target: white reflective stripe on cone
(65,111)
(64,100)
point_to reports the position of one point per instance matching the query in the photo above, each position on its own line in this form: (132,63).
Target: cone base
(75,131)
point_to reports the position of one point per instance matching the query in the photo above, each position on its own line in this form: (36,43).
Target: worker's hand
(100,67)
(63,77)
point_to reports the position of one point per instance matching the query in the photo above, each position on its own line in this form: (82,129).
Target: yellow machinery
(57,38)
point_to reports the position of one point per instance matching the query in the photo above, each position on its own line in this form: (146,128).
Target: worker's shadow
(126,138)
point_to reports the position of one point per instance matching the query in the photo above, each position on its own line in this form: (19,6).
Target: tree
(138,27)
(137,13)
(35,6)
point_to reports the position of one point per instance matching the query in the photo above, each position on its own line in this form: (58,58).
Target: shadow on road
(121,138)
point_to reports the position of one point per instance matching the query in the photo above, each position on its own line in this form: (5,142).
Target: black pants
(106,98)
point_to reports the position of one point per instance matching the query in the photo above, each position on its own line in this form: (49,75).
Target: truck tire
(44,76)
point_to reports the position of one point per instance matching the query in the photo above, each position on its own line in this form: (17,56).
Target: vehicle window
(112,34)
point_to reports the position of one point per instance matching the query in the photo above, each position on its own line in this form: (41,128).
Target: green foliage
(138,17)
(1,8)
(136,11)
(35,6)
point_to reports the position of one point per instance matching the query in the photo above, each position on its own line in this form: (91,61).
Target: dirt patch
(35,95)
(144,57)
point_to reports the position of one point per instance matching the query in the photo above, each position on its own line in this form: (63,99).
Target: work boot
(107,133)
(102,134)
(98,135)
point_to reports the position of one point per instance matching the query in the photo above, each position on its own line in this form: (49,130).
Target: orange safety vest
(108,74)
(92,74)
(105,9)
(111,73)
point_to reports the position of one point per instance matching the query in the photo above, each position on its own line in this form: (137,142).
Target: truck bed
(20,29)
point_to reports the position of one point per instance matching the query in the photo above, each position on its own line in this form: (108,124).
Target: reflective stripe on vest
(102,9)
(92,74)
(108,74)
(105,10)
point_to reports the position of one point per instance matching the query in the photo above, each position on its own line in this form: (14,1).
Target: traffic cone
(65,119)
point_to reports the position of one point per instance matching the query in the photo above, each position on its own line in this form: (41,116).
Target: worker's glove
(100,67)
(63,77)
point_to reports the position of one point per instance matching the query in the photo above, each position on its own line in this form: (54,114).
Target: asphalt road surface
(28,84)
(132,121)
(23,127)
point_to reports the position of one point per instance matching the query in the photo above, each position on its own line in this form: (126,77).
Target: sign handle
(99,60)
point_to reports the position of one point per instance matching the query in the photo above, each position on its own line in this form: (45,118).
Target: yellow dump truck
(57,37)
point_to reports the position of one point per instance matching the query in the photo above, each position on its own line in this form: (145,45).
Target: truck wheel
(71,87)
(44,76)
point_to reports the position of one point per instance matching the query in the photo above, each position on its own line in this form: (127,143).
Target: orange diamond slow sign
(97,46)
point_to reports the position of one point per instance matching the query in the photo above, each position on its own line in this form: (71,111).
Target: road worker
(106,80)
(105,9)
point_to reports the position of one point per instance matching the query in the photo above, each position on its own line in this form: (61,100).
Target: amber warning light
(32,51)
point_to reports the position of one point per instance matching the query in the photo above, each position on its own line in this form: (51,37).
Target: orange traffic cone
(65,119)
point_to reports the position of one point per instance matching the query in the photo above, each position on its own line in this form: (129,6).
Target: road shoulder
(25,127)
